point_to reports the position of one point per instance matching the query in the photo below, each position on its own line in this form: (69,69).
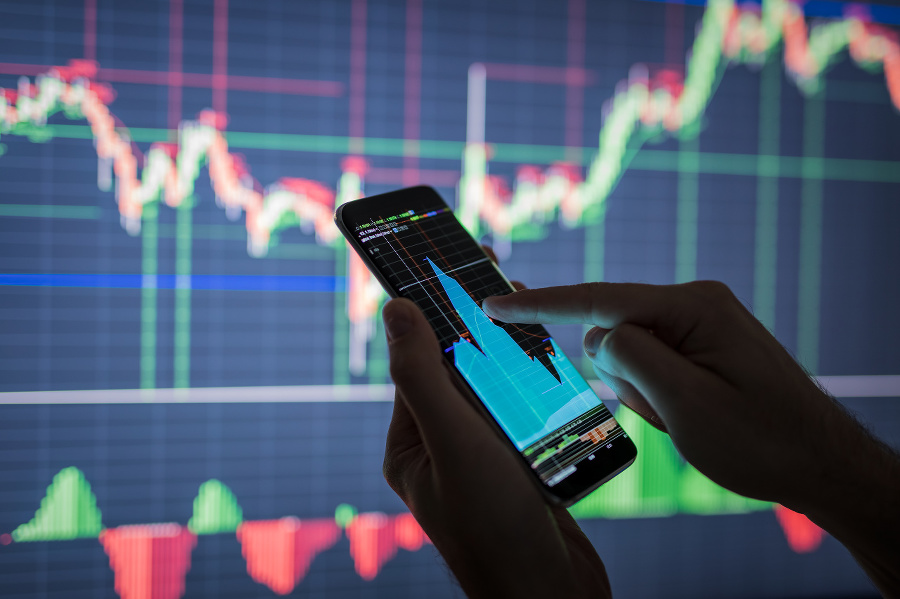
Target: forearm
(858,503)
(524,559)
(510,572)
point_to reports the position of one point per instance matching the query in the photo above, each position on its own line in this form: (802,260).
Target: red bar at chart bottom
(279,552)
(802,535)
(375,537)
(150,561)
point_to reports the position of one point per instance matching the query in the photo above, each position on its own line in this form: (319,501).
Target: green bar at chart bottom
(67,511)
(659,483)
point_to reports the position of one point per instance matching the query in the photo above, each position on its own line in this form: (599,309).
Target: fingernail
(486,304)
(397,320)
(592,341)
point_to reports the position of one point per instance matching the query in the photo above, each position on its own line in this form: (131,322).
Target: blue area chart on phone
(525,398)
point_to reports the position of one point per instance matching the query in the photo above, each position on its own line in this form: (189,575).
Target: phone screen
(526,382)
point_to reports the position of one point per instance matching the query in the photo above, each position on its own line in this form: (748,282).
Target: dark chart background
(306,84)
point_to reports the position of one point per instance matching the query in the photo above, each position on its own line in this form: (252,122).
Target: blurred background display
(194,376)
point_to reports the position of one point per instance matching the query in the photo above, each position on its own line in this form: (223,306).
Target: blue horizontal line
(832,9)
(307,283)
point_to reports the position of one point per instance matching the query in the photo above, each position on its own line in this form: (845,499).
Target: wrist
(504,573)
(853,474)
(856,499)
(505,562)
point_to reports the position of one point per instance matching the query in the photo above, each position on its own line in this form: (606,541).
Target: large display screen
(193,373)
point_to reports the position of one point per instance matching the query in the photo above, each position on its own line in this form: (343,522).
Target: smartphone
(518,376)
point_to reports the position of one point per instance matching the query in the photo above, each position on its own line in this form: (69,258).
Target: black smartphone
(522,381)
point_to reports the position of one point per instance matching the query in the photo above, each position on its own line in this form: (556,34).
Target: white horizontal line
(421,281)
(839,386)
(286,394)
(862,386)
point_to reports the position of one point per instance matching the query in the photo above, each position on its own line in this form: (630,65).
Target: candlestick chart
(638,112)
(193,374)
(153,559)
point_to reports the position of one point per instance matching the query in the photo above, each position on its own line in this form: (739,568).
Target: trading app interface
(525,380)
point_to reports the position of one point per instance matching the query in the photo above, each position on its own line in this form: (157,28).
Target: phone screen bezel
(587,477)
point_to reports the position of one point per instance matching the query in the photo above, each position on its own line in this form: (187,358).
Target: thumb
(422,379)
(667,380)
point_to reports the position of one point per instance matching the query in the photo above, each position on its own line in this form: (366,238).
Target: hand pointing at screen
(693,361)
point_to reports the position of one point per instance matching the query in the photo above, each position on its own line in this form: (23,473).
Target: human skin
(693,361)
(688,358)
(467,489)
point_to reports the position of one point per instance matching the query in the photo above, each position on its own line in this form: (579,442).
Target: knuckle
(593,293)
(394,474)
(714,297)
(616,341)
(403,364)
(716,291)
(398,366)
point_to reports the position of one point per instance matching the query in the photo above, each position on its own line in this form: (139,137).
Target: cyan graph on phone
(525,398)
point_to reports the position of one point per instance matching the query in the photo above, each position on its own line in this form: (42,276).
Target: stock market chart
(193,383)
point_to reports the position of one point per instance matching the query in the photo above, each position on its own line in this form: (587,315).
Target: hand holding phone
(474,500)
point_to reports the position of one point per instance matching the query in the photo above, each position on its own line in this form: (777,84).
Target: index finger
(605,305)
